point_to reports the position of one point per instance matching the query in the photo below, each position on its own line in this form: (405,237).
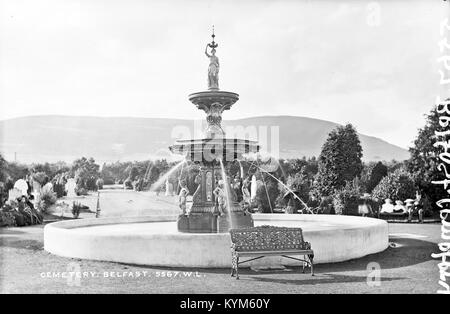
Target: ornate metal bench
(269,240)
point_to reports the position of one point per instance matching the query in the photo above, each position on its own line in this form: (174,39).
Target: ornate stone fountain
(198,238)
(213,153)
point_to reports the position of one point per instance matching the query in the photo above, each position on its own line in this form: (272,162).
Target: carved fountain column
(208,152)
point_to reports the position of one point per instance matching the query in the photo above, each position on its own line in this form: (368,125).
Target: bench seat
(267,253)
(262,241)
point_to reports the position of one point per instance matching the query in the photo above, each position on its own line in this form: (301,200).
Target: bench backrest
(267,238)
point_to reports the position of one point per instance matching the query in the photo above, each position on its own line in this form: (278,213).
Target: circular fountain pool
(155,241)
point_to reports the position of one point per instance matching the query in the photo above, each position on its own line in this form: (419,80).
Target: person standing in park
(365,209)
(410,208)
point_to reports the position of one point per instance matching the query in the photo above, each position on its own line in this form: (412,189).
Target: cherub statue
(182,197)
(219,192)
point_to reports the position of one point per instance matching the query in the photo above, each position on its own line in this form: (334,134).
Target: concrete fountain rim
(342,221)
(352,237)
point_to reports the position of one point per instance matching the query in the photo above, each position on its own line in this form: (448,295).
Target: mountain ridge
(42,138)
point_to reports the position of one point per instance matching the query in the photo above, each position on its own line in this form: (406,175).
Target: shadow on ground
(20,243)
(405,252)
(9,231)
(402,252)
(52,217)
(316,280)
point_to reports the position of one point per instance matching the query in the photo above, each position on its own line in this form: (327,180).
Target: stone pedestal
(197,223)
(212,223)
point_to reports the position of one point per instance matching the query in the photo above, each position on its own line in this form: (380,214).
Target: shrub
(265,204)
(80,191)
(372,175)
(40,177)
(134,172)
(91,184)
(7,219)
(59,189)
(128,184)
(108,181)
(300,183)
(99,183)
(59,184)
(346,199)
(397,185)
(46,199)
(326,205)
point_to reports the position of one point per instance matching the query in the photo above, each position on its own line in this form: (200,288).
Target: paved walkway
(122,203)
(405,267)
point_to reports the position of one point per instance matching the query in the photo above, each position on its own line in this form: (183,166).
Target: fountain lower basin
(155,241)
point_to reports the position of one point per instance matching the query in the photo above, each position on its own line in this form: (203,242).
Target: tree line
(335,180)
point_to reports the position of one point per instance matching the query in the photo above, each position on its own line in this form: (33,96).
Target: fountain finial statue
(213,68)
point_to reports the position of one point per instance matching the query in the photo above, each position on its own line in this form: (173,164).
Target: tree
(397,185)
(372,175)
(339,161)
(86,173)
(425,158)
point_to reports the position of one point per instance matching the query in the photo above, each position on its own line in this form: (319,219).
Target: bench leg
(311,260)
(303,265)
(237,268)
(233,264)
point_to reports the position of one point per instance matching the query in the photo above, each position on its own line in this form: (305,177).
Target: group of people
(23,211)
(18,209)
(409,207)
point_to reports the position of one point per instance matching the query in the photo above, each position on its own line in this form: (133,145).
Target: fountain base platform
(155,240)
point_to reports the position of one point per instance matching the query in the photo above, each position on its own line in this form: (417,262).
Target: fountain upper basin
(203,100)
(154,240)
(210,149)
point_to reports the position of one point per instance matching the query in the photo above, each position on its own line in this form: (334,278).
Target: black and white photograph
(246,149)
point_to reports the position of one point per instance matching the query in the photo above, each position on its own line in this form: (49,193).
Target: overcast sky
(371,63)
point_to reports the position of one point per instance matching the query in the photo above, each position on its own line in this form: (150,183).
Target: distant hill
(53,138)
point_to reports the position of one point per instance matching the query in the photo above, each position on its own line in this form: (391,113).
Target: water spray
(287,188)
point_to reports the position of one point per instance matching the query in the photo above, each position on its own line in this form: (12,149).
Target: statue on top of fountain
(213,68)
